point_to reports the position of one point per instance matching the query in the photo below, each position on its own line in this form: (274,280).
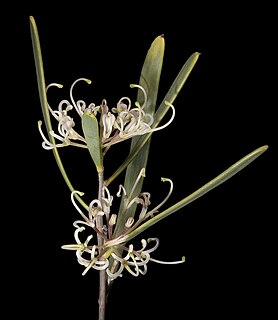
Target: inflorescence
(97,257)
(109,252)
(117,124)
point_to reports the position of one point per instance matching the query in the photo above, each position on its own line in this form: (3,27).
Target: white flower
(66,133)
(118,124)
(95,256)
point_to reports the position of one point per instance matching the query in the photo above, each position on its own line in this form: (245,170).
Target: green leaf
(43,100)
(40,76)
(91,132)
(149,80)
(161,112)
(175,88)
(224,176)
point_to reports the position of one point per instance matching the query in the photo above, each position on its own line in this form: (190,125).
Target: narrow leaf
(176,87)
(40,76)
(149,80)
(224,176)
(91,132)
(161,111)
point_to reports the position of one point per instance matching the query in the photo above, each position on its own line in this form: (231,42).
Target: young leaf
(91,132)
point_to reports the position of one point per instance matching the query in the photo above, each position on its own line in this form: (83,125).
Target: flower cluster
(97,255)
(117,124)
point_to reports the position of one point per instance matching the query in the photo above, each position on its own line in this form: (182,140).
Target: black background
(225,110)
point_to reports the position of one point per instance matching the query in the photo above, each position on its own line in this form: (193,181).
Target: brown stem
(102,295)
(102,273)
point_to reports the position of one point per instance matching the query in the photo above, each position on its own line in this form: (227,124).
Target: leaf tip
(265,147)
(32,20)
(262,149)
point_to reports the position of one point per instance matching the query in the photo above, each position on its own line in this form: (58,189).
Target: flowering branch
(107,246)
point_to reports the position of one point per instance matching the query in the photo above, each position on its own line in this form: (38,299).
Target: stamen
(54,85)
(64,140)
(119,124)
(89,266)
(80,259)
(77,222)
(60,113)
(118,273)
(96,264)
(144,245)
(141,174)
(77,107)
(94,208)
(134,264)
(144,93)
(108,121)
(76,232)
(155,246)
(93,252)
(143,272)
(46,89)
(113,219)
(129,222)
(72,246)
(135,274)
(121,188)
(97,214)
(168,262)
(121,106)
(108,197)
(172,117)
(81,105)
(92,108)
(75,205)
(150,213)
(46,144)
(101,264)
(88,240)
